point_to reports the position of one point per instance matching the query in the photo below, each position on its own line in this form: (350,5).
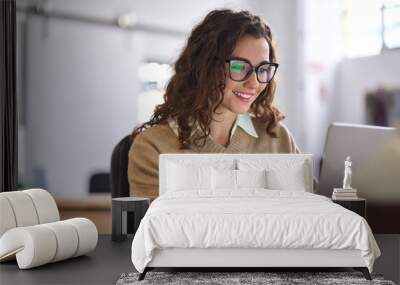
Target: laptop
(375,156)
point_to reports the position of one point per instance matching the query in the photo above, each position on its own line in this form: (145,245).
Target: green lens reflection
(237,66)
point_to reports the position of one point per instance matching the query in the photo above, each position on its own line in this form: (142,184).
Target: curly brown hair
(196,89)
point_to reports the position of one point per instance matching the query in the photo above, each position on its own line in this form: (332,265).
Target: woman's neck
(221,126)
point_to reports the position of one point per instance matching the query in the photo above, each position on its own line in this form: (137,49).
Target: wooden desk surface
(104,265)
(92,202)
(96,207)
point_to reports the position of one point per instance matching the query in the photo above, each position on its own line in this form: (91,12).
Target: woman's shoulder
(155,132)
(160,137)
(280,129)
(283,130)
(284,138)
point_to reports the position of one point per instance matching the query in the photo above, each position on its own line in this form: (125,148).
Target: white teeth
(243,95)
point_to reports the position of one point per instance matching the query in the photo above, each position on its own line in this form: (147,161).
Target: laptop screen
(375,156)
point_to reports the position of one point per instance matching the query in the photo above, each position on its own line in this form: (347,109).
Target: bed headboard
(278,162)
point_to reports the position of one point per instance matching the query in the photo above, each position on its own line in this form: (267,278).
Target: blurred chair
(119,176)
(119,168)
(100,183)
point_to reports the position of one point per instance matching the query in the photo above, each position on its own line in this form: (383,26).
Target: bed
(247,210)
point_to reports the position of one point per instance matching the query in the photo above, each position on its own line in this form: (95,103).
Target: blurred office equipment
(383,107)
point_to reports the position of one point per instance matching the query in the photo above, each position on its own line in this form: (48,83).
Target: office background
(89,71)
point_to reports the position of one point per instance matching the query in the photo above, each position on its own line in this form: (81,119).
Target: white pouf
(31,232)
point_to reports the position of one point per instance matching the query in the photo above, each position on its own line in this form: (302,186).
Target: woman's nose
(252,80)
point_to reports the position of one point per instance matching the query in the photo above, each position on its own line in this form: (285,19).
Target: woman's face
(238,96)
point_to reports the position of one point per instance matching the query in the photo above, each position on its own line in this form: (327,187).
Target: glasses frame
(252,69)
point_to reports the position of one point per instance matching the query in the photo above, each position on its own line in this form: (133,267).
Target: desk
(96,208)
(104,265)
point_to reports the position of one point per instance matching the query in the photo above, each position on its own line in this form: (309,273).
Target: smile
(243,95)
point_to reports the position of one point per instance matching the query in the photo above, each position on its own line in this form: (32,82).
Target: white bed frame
(249,257)
(234,257)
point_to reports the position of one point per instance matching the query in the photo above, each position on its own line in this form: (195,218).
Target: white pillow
(228,179)
(182,177)
(252,178)
(282,173)
(223,179)
(293,179)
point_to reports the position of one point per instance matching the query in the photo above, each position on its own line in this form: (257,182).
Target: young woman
(218,101)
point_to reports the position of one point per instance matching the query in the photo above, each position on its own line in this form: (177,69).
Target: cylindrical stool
(122,210)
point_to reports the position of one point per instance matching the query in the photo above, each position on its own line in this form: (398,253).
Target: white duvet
(251,218)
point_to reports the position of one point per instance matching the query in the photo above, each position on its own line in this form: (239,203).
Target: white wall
(81,88)
(357,76)
(321,52)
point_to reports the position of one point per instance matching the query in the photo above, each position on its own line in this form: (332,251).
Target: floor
(110,260)
(102,266)
(389,262)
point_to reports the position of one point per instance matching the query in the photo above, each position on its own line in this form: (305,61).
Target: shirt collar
(243,121)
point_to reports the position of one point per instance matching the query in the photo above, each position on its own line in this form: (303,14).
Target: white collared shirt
(243,121)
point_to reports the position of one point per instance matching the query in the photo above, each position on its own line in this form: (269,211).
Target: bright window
(370,26)
(154,77)
(391,17)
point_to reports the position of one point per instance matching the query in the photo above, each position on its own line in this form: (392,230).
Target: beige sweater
(144,152)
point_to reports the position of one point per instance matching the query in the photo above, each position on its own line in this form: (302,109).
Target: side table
(358,205)
(121,208)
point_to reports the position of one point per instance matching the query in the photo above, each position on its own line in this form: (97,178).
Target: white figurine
(347,174)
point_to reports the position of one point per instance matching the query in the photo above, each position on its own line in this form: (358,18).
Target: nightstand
(358,206)
(121,208)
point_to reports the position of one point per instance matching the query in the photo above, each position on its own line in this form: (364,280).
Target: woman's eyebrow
(248,60)
(264,61)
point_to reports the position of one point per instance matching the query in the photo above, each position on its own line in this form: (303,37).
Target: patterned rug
(243,278)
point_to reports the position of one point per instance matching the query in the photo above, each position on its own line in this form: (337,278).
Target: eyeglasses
(240,69)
